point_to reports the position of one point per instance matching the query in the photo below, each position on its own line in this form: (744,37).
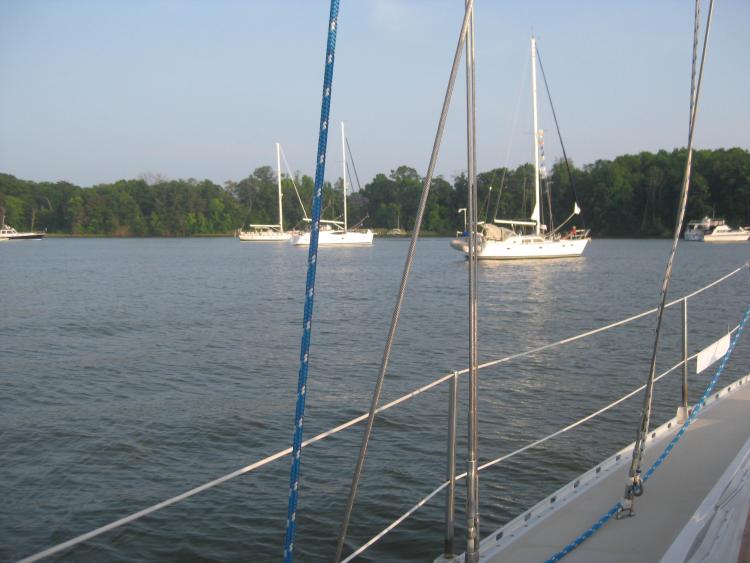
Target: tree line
(632,195)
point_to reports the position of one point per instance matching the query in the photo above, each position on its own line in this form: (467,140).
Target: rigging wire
(559,134)
(359,186)
(472,477)
(351,159)
(512,136)
(404,282)
(634,486)
(291,177)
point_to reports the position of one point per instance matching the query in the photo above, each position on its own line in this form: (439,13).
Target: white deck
(672,496)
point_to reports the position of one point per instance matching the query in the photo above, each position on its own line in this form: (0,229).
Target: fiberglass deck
(717,438)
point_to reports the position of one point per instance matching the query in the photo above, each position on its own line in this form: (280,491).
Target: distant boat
(696,229)
(723,233)
(337,233)
(269,233)
(508,243)
(9,233)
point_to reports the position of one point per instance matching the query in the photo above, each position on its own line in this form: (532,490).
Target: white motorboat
(9,233)
(269,233)
(337,233)
(696,229)
(503,243)
(723,233)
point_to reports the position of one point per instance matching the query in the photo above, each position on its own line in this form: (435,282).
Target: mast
(343,171)
(536,214)
(278,178)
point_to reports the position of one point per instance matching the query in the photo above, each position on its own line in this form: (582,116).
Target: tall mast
(343,165)
(536,214)
(278,179)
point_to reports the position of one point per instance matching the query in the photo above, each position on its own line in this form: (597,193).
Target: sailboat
(505,240)
(269,233)
(337,233)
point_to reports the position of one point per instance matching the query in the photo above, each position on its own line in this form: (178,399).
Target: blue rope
(612,511)
(310,287)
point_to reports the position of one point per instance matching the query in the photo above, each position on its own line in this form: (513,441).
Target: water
(133,370)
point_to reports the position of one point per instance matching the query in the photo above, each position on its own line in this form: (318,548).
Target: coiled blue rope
(612,511)
(312,259)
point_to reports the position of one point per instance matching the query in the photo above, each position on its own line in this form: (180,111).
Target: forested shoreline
(630,196)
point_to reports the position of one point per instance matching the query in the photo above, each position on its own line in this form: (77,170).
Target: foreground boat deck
(717,438)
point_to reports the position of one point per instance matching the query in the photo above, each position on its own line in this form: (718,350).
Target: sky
(92,91)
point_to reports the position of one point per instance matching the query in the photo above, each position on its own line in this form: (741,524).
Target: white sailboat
(505,240)
(269,233)
(337,233)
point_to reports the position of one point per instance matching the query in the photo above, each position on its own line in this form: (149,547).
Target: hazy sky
(92,91)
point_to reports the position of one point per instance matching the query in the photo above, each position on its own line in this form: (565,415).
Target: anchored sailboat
(505,239)
(269,233)
(337,233)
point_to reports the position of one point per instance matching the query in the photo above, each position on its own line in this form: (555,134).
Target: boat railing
(581,234)
(449,483)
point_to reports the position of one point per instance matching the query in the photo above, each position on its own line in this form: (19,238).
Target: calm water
(133,370)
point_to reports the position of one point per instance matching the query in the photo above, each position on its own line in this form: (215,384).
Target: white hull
(525,247)
(9,233)
(264,237)
(694,235)
(336,238)
(24,236)
(739,236)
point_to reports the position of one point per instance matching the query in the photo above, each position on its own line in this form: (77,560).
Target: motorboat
(696,229)
(723,233)
(9,233)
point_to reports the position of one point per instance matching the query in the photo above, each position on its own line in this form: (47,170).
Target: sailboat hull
(264,236)
(525,248)
(336,238)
